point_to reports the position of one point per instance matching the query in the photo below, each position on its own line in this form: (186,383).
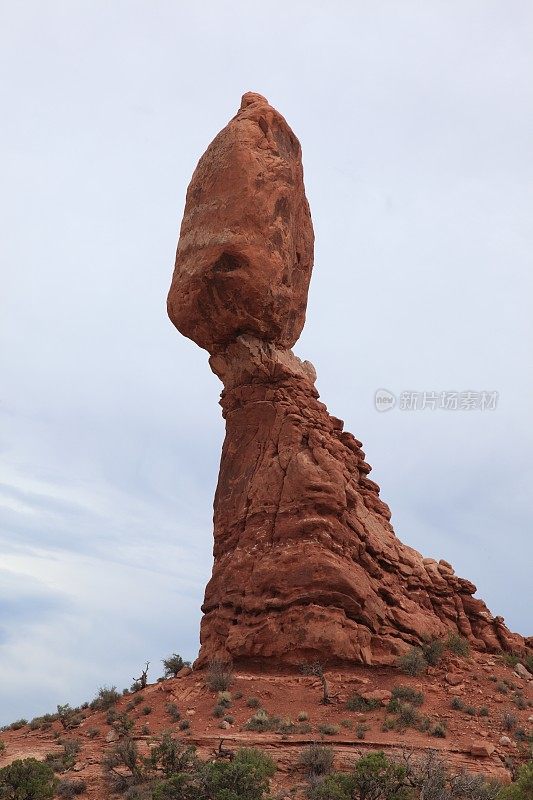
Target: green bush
(458,645)
(457,704)
(244,778)
(373,777)
(317,759)
(27,779)
(106,698)
(327,729)
(65,760)
(413,662)
(433,650)
(2,746)
(171,756)
(253,702)
(173,664)
(522,788)
(407,694)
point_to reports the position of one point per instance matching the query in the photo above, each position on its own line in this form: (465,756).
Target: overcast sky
(415,122)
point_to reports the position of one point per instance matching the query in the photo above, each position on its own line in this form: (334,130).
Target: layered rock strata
(307,565)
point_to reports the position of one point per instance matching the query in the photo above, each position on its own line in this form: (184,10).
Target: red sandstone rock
(482,749)
(307,565)
(381,695)
(245,252)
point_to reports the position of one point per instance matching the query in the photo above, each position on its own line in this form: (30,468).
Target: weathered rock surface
(245,252)
(307,565)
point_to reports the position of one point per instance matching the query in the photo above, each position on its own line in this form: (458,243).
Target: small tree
(173,664)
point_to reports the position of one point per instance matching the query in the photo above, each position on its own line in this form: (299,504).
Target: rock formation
(307,565)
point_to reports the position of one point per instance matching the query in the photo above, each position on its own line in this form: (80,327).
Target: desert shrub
(373,777)
(92,733)
(471,711)
(457,704)
(408,694)
(123,766)
(327,729)
(219,675)
(2,747)
(522,788)
(303,716)
(260,722)
(229,719)
(439,730)
(407,715)
(317,759)
(106,698)
(136,686)
(484,711)
(27,779)
(17,725)
(173,664)
(253,702)
(245,778)
(184,725)
(519,701)
(71,788)
(171,756)
(123,724)
(219,711)
(65,759)
(458,645)
(433,650)
(285,725)
(173,712)
(358,703)
(502,687)
(413,662)
(224,699)
(134,702)
(44,722)
(146,710)
(361,730)
(509,722)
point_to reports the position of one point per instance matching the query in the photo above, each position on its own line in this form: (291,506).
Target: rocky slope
(307,564)
(483,706)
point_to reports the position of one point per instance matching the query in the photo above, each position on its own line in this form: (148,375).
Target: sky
(415,121)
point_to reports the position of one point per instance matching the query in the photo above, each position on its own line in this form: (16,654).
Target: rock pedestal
(307,565)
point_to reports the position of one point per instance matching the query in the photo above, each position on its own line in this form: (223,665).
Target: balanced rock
(307,565)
